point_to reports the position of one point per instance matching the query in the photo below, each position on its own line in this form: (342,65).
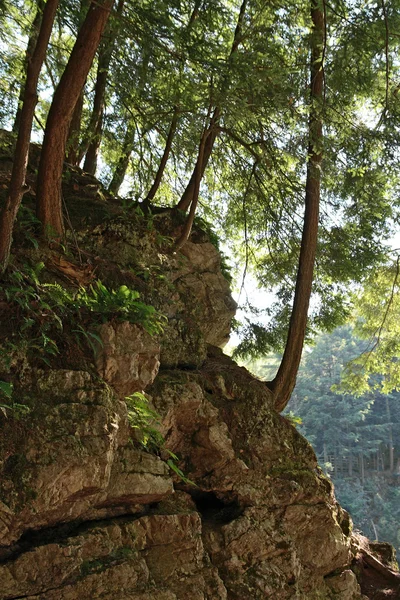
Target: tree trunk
(201,164)
(285,380)
(91,144)
(28,57)
(189,221)
(18,174)
(362,468)
(123,162)
(390,436)
(72,155)
(49,204)
(160,172)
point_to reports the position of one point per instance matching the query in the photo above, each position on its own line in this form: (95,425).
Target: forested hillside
(356,437)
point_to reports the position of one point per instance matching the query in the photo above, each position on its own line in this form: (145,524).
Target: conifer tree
(49,202)
(13,200)
(285,380)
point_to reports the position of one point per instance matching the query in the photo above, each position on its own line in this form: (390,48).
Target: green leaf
(6,388)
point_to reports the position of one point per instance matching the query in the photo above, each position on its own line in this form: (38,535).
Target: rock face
(87,514)
(128,358)
(73,460)
(267,510)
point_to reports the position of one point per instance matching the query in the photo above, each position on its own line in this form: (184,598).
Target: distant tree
(378,310)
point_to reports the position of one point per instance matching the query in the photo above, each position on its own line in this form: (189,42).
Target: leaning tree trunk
(201,163)
(123,161)
(49,203)
(128,145)
(187,228)
(72,153)
(92,139)
(18,174)
(72,148)
(164,159)
(172,128)
(285,380)
(28,58)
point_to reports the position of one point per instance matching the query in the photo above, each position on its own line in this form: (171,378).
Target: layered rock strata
(85,513)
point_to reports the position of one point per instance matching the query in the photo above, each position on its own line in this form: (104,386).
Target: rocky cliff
(86,512)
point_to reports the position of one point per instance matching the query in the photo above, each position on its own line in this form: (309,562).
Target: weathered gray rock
(267,510)
(128,358)
(344,585)
(86,514)
(74,458)
(155,556)
(188,287)
(208,291)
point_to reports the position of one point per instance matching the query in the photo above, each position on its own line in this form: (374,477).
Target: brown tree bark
(91,144)
(49,204)
(72,154)
(18,174)
(72,151)
(28,57)
(123,161)
(187,228)
(201,164)
(283,384)
(164,159)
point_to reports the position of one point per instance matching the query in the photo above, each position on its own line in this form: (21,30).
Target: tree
(72,146)
(49,202)
(208,106)
(29,54)
(172,128)
(206,146)
(91,144)
(10,208)
(377,312)
(355,436)
(285,380)
(123,160)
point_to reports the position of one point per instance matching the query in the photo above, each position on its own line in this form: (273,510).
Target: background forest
(356,436)
(277,122)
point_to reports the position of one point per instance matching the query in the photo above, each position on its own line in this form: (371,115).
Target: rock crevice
(85,512)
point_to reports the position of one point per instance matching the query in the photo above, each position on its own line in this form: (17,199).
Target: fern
(143,419)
